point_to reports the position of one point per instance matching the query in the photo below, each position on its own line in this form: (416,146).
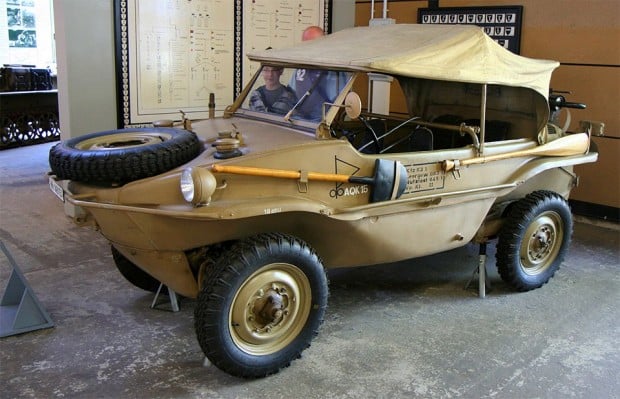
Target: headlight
(187,185)
(197,185)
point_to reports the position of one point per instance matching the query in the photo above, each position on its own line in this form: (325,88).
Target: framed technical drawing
(277,24)
(172,54)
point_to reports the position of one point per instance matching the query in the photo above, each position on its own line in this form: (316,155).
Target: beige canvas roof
(445,52)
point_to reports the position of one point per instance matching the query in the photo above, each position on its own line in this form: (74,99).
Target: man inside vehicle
(273,96)
(313,87)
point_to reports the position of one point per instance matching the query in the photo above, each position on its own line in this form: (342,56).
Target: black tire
(261,305)
(122,156)
(134,274)
(534,240)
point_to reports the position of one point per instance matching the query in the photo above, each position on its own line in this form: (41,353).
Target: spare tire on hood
(117,157)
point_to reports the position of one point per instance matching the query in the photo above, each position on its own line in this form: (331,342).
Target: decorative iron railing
(28,117)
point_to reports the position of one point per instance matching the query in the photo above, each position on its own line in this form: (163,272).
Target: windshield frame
(328,109)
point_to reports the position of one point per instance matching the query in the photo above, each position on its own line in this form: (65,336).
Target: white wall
(343,14)
(86,66)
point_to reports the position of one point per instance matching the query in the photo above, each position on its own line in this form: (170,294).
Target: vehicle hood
(458,53)
(256,135)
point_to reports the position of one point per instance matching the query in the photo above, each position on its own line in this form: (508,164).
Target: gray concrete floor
(392,331)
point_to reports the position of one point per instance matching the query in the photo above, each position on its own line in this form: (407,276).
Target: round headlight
(197,185)
(187,185)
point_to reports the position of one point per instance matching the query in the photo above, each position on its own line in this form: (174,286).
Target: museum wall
(584,36)
(86,66)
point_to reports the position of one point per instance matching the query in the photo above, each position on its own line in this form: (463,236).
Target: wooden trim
(596,211)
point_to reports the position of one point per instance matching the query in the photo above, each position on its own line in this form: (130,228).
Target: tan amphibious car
(245,212)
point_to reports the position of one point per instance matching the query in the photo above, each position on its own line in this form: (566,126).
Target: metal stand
(20,311)
(481,271)
(174,303)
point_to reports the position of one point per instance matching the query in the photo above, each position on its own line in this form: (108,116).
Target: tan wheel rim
(270,309)
(123,140)
(541,243)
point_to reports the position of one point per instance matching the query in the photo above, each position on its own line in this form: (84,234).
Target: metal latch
(456,170)
(302,184)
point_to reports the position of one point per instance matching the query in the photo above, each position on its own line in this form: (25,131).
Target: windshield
(294,93)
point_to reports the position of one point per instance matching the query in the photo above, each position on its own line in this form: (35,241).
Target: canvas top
(461,53)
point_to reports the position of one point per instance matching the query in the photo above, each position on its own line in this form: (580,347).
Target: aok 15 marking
(340,191)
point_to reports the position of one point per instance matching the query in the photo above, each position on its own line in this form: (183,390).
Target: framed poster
(172,54)
(21,22)
(502,23)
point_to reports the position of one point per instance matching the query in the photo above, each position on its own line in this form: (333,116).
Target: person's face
(272,76)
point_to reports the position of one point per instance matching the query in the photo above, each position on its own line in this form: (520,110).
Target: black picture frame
(502,23)
(126,90)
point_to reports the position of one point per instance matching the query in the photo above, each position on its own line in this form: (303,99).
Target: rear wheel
(261,305)
(534,240)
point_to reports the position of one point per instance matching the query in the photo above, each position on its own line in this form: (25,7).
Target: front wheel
(534,240)
(133,273)
(261,305)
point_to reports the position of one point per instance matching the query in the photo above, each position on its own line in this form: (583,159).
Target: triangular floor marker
(20,311)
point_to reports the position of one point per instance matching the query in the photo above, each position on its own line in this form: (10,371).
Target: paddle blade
(574,144)
(390,180)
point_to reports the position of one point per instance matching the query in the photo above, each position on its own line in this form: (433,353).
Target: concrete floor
(393,331)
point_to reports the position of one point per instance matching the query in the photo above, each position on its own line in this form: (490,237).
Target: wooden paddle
(573,144)
(389,180)
(280,173)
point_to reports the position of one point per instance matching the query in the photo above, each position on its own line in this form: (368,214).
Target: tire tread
(216,288)
(517,221)
(120,166)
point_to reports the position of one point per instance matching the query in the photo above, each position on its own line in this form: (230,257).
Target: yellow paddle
(573,144)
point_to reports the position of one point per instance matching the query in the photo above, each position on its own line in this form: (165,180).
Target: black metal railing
(28,117)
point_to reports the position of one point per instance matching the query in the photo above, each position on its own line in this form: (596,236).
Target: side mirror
(353,105)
